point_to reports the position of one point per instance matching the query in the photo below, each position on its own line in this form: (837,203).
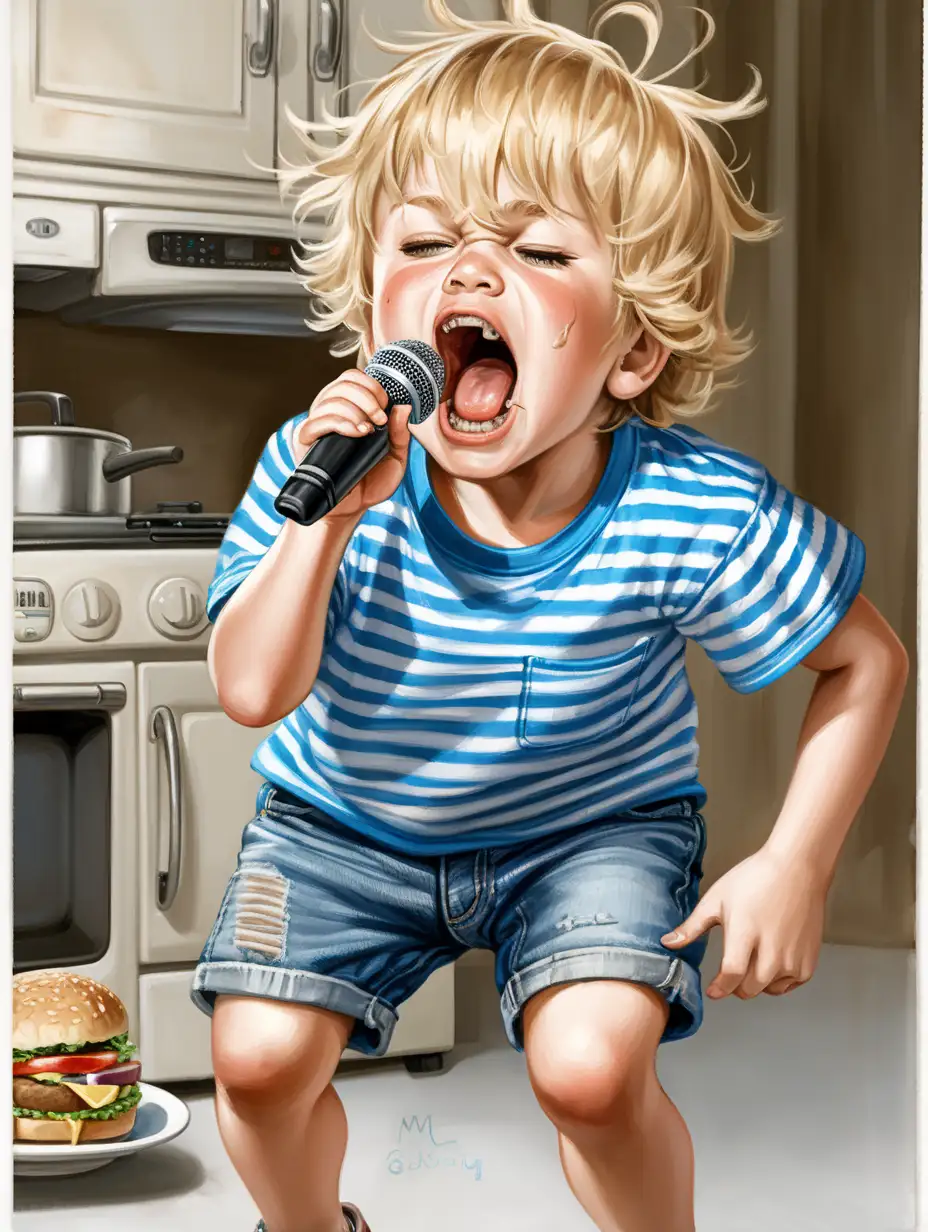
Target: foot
(355,1221)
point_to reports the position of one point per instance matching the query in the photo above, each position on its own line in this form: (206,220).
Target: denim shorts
(321,915)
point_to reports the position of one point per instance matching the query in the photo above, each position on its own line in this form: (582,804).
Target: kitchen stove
(170,523)
(131,784)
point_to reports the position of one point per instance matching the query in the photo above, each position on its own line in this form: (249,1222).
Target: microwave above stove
(160,269)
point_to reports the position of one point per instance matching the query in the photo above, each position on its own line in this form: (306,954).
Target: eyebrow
(510,213)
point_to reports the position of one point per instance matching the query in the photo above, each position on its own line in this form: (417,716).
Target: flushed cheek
(568,319)
(400,300)
(564,351)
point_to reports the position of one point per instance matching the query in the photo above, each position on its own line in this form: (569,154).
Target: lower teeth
(470,425)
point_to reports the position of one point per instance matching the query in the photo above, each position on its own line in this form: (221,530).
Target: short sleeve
(788,578)
(255,525)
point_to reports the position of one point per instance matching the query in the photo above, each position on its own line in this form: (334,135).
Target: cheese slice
(45,1077)
(76,1127)
(93,1096)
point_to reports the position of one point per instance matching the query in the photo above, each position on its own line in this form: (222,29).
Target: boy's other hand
(354,404)
(772,915)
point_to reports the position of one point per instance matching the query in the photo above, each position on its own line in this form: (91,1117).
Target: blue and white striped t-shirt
(471,696)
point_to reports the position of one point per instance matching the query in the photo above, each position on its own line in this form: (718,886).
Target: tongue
(482,388)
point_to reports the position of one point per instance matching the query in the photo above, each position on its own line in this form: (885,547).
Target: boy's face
(544,285)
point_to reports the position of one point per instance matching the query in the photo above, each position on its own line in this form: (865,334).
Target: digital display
(239,248)
(217,251)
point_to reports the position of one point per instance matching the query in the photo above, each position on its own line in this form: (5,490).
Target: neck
(533,502)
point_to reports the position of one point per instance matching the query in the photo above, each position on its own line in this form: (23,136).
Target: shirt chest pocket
(567,702)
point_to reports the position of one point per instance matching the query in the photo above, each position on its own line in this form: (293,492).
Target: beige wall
(218,397)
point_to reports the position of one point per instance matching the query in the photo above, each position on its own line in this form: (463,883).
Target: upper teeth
(456,322)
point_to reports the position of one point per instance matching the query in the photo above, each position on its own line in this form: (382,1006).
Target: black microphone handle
(310,492)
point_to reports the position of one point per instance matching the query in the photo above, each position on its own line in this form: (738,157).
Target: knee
(586,1079)
(267,1053)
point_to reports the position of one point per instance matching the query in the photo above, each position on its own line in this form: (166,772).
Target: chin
(471,461)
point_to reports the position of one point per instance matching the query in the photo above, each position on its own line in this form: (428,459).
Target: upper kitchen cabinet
(159,84)
(340,53)
(366,62)
(180,95)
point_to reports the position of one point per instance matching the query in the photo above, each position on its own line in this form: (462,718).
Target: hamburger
(74,1079)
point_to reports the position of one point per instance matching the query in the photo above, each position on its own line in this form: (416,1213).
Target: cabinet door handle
(164,728)
(261,51)
(328,50)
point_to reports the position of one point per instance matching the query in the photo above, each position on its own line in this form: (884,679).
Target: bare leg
(625,1149)
(279,1116)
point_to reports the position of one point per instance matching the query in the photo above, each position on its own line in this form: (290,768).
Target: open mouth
(480,373)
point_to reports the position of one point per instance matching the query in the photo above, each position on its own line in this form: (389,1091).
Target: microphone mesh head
(411,372)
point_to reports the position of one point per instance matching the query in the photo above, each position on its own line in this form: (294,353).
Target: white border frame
(6,648)
(921,758)
(6,570)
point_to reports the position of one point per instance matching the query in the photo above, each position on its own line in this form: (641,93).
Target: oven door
(74,788)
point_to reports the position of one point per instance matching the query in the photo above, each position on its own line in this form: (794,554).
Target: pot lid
(70,430)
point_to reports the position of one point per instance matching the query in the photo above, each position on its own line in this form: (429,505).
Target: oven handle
(164,728)
(69,696)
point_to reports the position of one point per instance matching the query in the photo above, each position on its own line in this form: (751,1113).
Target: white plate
(160,1117)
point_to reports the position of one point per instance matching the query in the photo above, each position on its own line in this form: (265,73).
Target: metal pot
(65,470)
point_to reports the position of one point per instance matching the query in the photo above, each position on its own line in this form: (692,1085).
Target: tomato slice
(69,1063)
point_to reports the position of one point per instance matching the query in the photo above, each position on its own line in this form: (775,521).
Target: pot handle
(61,406)
(122,464)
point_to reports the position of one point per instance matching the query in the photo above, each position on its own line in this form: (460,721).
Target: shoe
(352,1214)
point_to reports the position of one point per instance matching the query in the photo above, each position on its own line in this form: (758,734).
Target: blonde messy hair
(568,121)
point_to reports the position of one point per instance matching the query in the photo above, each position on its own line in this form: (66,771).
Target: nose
(473,271)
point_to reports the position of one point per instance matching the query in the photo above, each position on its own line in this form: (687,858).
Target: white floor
(801,1109)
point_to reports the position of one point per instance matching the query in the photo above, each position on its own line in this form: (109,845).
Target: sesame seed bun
(56,1007)
(33,1129)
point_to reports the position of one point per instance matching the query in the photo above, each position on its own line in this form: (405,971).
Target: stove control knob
(177,608)
(91,610)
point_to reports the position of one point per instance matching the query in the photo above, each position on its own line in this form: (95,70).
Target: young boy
(487,736)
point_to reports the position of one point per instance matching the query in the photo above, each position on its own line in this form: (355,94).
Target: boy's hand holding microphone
(357,434)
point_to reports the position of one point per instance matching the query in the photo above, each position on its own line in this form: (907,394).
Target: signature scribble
(420,1149)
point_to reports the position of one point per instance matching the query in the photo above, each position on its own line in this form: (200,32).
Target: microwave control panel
(220,251)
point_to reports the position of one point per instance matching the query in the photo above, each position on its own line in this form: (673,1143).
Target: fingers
(792,975)
(783,985)
(736,962)
(362,381)
(758,975)
(359,395)
(706,915)
(399,431)
(346,408)
(771,976)
(354,398)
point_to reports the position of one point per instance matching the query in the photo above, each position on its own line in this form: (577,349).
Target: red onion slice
(125,1075)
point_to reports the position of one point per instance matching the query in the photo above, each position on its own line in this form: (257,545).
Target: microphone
(411,372)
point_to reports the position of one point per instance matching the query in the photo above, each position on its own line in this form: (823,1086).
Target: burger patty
(45,1096)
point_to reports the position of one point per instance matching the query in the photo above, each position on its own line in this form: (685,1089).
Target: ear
(638,367)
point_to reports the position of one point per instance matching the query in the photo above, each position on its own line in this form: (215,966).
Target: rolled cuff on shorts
(674,978)
(374,1019)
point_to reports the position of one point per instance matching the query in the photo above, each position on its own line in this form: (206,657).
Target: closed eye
(543,256)
(425,248)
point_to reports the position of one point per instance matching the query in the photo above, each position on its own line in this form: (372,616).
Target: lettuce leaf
(87,1114)
(117,1043)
